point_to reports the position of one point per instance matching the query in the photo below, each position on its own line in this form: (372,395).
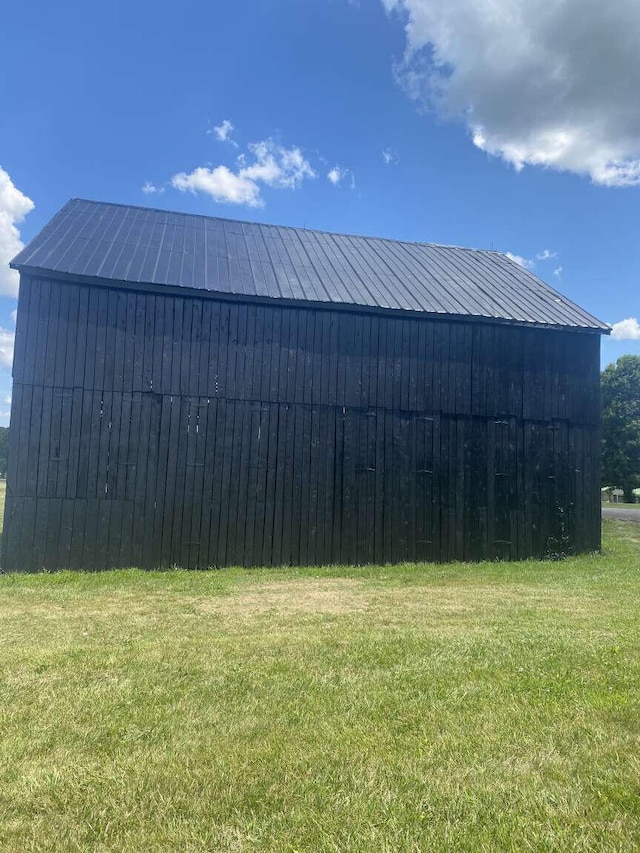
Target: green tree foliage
(621,424)
(4,444)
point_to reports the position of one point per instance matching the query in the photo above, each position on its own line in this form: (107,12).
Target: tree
(621,424)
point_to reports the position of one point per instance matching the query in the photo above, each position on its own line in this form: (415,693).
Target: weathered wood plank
(224,432)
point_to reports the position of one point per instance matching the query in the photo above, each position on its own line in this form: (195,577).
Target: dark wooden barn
(203,392)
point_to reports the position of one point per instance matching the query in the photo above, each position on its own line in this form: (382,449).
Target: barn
(197,391)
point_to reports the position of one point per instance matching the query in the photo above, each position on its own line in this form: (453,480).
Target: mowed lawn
(486,707)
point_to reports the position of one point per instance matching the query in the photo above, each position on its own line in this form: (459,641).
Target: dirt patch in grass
(446,607)
(327,596)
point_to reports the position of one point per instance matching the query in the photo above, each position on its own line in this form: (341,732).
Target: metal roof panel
(136,245)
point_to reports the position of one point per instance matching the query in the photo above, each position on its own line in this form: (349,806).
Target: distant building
(203,392)
(610,494)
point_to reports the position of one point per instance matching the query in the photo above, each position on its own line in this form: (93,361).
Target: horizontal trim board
(115,340)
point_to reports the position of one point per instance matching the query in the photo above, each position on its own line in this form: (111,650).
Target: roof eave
(203,293)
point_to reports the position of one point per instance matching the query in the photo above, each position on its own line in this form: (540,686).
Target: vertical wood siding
(157,430)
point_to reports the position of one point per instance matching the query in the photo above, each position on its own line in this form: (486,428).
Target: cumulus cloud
(14,315)
(14,206)
(7,338)
(270,165)
(626,330)
(553,84)
(148,188)
(276,166)
(223,131)
(557,272)
(221,184)
(527,263)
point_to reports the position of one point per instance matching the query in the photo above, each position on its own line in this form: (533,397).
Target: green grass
(621,506)
(486,707)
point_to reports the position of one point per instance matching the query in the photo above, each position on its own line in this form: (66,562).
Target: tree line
(621,425)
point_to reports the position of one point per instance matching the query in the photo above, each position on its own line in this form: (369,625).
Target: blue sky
(477,122)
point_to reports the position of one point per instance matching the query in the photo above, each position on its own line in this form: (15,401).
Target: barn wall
(154,430)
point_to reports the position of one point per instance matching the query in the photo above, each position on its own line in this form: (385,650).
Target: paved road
(621,513)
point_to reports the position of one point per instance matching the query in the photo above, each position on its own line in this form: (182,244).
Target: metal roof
(137,245)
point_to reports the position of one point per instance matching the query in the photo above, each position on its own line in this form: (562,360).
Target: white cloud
(557,272)
(272,165)
(7,338)
(7,399)
(338,174)
(276,166)
(221,184)
(546,255)
(148,188)
(223,131)
(626,330)
(527,263)
(390,157)
(14,315)
(553,84)
(14,206)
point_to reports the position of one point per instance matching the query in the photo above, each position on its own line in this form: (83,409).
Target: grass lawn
(486,707)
